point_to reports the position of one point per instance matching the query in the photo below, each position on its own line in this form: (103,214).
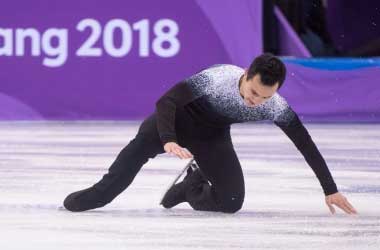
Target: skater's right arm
(178,96)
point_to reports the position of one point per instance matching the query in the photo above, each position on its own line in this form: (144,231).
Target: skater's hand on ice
(340,201)
(174,149)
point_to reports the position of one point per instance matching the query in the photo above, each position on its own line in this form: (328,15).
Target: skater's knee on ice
(232,208)
(232,205)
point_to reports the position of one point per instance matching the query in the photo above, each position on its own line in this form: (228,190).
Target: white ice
(42,162)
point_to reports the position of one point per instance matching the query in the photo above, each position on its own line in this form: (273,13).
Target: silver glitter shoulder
(220,86)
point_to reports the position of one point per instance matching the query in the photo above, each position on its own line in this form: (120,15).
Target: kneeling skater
(192,120)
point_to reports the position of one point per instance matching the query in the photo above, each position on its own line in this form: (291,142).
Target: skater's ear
(245,73)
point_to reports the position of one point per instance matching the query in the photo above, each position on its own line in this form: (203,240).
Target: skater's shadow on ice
(178,213)
(189,213)
(152,213)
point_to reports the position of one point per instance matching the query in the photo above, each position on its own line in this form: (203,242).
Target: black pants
(212,149)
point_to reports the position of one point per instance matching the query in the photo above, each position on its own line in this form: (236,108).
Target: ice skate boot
(83,200)
(176,192)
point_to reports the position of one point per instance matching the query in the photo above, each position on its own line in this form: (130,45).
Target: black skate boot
(83,200)
(177,193)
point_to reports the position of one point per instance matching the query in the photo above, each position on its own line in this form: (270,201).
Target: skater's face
(254,92)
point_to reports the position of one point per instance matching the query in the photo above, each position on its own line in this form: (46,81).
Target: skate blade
(191,164)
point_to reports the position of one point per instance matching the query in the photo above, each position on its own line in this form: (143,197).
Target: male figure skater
(192,120)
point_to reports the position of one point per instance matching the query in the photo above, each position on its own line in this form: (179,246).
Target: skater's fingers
(188,153)
(352,209)
(342,204)
(329,204)
(179,153)
(169,150)
(172,151)
(348,209)
(184,153)
(175,149)
(170,146)
(344,208)
(332,209)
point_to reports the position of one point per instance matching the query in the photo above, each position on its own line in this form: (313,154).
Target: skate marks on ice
(41,162)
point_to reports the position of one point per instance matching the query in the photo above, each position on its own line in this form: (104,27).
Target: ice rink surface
(42,162)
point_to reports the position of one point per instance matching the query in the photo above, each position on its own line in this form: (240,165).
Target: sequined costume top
(212,96)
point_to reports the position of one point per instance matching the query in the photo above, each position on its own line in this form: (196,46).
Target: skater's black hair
(270,68)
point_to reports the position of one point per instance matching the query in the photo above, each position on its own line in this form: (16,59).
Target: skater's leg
(220,165)
(145,145)
(213,151)
(126,166)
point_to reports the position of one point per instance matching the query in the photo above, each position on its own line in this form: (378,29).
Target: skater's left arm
(340,201)
(298,134)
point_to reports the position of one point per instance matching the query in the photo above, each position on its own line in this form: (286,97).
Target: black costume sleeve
(296,132)
(178,96)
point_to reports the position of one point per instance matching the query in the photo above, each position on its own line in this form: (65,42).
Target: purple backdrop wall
(334,90)
(113,59)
